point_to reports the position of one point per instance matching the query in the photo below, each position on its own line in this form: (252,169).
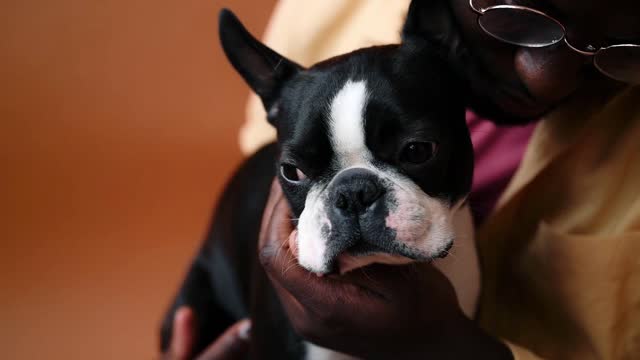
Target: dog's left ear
(264,70)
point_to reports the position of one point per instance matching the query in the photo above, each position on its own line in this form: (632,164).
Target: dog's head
(375,153)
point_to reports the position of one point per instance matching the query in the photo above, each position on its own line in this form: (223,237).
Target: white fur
(346,124)
(312,246)
(346,132)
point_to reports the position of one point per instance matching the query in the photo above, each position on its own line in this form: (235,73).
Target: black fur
(415,94)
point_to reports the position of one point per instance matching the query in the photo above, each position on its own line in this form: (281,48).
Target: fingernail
(244,332)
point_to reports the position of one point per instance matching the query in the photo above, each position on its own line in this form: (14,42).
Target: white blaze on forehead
(346,124)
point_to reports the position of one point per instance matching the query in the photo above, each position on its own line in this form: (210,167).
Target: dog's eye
(418,152)
(292,173)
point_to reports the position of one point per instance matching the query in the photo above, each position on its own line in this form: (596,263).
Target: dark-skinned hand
(380,311)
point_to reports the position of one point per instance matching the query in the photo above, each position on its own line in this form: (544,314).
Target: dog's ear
(432,21)
(432,46)
(264,70)
(431,26)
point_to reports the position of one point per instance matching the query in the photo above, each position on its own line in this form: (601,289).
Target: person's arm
(399,312)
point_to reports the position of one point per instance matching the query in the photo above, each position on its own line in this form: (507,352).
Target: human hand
(232,344)
(380,311)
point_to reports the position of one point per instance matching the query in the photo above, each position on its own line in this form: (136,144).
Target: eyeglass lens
(521,27)
(621,62)
(525,27)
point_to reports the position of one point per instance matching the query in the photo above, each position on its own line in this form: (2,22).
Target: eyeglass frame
(591,51)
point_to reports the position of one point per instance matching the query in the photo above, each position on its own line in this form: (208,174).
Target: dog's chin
(347,262)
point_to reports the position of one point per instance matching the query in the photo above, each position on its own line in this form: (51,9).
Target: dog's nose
(355,190)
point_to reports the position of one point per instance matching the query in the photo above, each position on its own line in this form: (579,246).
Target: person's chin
(505,102)
(503,97)
(505,109)
(518,111)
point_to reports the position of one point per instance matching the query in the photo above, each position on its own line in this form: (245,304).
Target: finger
(232,344)
(315,294)
(275,196)
(182,338)
(276,225)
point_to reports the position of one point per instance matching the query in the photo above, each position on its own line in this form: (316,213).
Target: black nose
(355,190)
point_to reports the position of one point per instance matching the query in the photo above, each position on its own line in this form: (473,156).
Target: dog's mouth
(363,254)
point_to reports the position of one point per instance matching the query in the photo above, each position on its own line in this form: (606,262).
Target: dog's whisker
(281,247)
(365,273)
(289,267)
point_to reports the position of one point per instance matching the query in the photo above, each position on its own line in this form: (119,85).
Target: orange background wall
(118,127)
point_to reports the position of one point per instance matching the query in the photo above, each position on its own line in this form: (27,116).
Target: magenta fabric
(498,152)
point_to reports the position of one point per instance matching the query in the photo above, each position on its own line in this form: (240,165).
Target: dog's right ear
(264,70)
(431,20)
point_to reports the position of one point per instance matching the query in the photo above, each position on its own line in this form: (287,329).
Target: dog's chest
(319,353)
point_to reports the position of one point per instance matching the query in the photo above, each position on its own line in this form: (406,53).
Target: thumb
(232,344)
(182,339)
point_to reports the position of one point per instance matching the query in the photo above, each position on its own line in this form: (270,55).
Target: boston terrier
(375,159)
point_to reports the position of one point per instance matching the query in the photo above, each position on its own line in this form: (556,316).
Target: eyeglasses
(531,28)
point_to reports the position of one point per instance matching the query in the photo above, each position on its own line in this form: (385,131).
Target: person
(560,248)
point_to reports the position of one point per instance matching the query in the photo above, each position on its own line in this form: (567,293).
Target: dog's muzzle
(356,208)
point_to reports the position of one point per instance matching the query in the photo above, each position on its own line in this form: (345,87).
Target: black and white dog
(375,159)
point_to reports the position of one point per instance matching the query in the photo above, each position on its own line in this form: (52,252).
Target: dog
(375,159)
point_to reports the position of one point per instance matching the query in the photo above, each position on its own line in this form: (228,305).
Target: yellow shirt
(561,253)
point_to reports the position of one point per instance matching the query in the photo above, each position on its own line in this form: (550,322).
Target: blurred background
(118,128)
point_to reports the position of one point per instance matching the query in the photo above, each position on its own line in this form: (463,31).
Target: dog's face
(375,154)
